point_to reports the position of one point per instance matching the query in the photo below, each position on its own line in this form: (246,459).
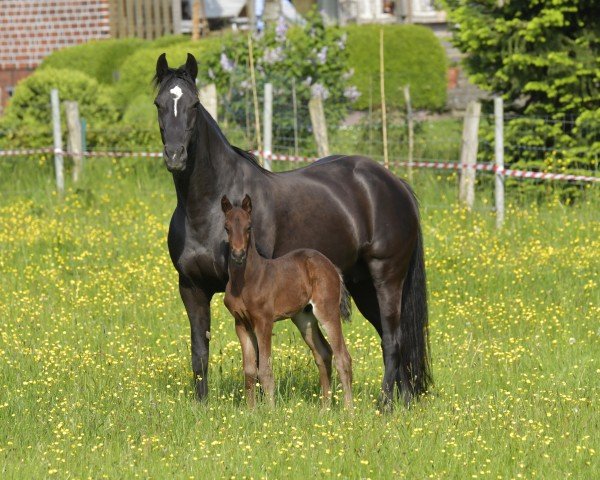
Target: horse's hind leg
(328,314)
(389,298)
(309,329)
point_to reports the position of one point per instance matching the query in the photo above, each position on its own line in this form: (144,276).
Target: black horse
(351,209)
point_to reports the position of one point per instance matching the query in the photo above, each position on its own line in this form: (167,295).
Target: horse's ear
(247,204)
(225,204)
(191,66)
(162,67)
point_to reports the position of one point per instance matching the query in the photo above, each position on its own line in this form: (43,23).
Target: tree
(542,56)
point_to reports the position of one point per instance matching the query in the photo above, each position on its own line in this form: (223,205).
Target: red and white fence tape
(25,151)
(487,167)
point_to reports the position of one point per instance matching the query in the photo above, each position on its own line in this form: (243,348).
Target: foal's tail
(345,303)
(415,370)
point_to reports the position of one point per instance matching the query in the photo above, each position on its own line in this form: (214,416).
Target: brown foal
(302,285)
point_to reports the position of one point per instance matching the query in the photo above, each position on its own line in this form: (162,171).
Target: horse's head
(238,224)
(177,104)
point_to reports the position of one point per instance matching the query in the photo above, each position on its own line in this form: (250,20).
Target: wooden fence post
(386,162)
(208,98)
(319,125)
(268,124)
(411,139)
(176,9)
(75,138)
(158,17)
(129,18)
(499,154)
(468,154)
(148,25)
(139,19)
(58,151)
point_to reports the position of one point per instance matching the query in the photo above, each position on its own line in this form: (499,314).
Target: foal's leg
(321,350)
(328,314)
(250,361)
(264,333)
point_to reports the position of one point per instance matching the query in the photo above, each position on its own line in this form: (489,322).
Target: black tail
(415,370)
(345,303)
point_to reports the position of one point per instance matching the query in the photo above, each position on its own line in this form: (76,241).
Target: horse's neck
(211,166)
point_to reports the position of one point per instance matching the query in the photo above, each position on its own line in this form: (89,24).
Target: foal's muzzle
(238,257)
(175,158)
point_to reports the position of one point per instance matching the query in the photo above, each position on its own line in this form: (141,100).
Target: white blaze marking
(177,93)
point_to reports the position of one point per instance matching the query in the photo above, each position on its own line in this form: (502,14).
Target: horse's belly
(197,263)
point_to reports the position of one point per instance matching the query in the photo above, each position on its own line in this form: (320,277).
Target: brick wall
(32,29)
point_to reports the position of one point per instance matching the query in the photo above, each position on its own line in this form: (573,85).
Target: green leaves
(543,57)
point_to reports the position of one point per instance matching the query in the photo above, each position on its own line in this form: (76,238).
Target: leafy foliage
(28,118)
(313,57)
(542,56)
(413,56)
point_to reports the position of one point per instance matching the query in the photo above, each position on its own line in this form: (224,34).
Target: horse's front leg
(197,305)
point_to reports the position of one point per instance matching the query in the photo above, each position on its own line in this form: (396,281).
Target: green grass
(94,348)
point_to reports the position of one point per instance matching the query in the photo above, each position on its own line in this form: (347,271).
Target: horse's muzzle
(175,158)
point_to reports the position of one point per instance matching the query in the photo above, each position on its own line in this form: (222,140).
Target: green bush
(543,58)
(97,59)
(28,118)
(137,71)
(413,56)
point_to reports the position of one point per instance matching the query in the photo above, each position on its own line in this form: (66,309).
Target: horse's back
(345,200)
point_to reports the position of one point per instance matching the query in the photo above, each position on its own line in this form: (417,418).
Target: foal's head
(177,103)
(237,225)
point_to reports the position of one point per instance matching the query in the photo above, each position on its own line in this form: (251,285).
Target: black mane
(248,156)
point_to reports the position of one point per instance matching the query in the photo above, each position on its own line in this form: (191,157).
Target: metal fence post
(58,150)
(499,157)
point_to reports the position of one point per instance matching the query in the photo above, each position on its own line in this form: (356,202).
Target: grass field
(94,349)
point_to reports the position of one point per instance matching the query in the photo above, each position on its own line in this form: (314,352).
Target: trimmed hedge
(137,71)
(413,56)
(97,59)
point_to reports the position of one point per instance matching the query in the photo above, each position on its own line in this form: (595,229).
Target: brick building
(32,29)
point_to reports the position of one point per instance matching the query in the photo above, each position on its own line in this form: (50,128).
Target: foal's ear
(247,204)
(191,66)
(162,67)
(225,204)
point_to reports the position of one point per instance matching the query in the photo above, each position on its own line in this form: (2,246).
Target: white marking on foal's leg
(177,93)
